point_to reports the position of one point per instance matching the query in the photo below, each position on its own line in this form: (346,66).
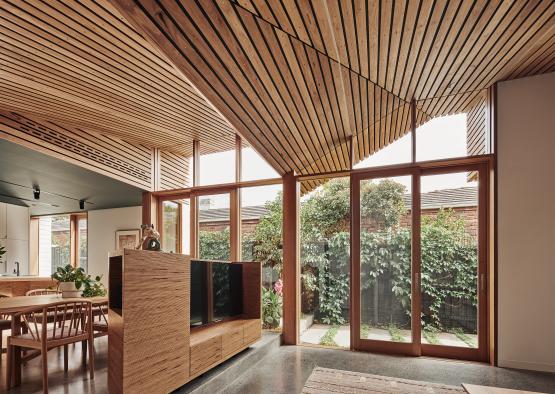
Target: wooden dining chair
(76,318)
(36,292)
(100,320)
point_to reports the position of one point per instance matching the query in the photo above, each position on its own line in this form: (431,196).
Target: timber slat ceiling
(297,79)
(300,78)
(80,63)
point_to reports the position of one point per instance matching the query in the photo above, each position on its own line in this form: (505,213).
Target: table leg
(16,368)
(84,355)
(83,347)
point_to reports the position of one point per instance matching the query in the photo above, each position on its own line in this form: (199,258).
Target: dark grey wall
(62,184)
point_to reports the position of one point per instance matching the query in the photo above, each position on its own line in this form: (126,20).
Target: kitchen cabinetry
(3,220)
(17,222)
(14,236)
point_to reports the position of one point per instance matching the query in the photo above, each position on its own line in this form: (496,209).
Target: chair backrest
(70,318)
(100,318)
(4,317)
(36,292)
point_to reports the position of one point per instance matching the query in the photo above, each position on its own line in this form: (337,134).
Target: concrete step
(218,378)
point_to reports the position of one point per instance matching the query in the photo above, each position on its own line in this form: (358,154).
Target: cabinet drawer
(253,331)
(205,354)
(232,341)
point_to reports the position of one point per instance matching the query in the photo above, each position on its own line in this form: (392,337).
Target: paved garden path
(313,335)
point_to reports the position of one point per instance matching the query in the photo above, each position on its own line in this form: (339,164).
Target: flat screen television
(224,282)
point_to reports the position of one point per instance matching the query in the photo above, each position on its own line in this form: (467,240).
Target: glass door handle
(483,282)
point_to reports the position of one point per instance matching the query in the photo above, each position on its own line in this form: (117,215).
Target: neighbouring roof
(447,198)
(222,214)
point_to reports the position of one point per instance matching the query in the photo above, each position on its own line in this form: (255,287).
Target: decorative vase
(69,290)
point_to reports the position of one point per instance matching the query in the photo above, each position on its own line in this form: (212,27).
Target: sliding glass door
(419,261)
(453,297)
(385,315)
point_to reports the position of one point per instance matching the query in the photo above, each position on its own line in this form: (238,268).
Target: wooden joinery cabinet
(151,346)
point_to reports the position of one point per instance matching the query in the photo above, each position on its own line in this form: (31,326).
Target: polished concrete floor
(286,369)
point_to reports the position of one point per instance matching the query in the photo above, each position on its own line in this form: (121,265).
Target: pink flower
(278,287)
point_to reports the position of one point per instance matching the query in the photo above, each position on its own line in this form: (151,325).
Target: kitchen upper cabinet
(3,219)
(17,222)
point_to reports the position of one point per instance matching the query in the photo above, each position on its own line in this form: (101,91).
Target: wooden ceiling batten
(180,48)
(267,69)
(298,80)
(280,53)
(522,24)
(83,65)
(431,25)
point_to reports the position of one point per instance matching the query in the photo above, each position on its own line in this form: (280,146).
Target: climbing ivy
(449,255)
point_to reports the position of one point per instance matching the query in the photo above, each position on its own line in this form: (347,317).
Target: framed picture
(127,239)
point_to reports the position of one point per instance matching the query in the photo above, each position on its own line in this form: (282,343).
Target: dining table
(13,305)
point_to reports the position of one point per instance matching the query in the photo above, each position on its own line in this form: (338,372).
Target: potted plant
(70,279)
(74,282)
(2,252)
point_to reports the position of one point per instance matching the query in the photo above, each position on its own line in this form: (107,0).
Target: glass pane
(325,257)
(170,223)
(214,237)
(449,269)
(465,134)
(54,243)
(255,167)
(261,240)
(82,242)
(397,152)
(216,168)
(385,259)
(185,226)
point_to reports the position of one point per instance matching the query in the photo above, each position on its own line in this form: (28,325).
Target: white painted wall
(526,222)
(45,246)
(102,227)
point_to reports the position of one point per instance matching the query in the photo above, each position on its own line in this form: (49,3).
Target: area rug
(324,380)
